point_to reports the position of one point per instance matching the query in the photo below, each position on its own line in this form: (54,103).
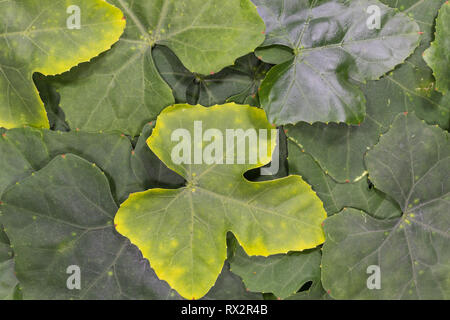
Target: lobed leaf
(410,163)
(34,37)
(338,148)
(62,216)
(187,246)
(122,89)
(333,47)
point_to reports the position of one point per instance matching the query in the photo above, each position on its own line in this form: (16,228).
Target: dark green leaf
(333,47)
(242,78)
(411,163)
(281,274)
(24,151)
(230,287)
(62,216)
(335,195)
(274,54)
(438,55)
(339,149)
(122,90)
(8,280)
(148,169)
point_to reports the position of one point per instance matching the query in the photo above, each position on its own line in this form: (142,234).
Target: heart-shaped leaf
(35,36)
(411,163)
(24,151)
(339,148)
(123,86)
(438,55)
(70,200)
(333,44)
(187,242)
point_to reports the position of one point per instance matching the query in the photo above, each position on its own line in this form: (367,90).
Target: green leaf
(50,233)
(230,287)
(34,37)
(8,280)
(333,47)
(315,292)
(339,148)
(281,274)
(148,169)
(50,97)
(122,89)
(410,163)
(274,54)
(188,244)
(336,196)
(274,170)
(438,55)
(243,77)
(256,70)
(207,37)
(24,151)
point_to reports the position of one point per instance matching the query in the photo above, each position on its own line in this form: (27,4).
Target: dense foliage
(89,182)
